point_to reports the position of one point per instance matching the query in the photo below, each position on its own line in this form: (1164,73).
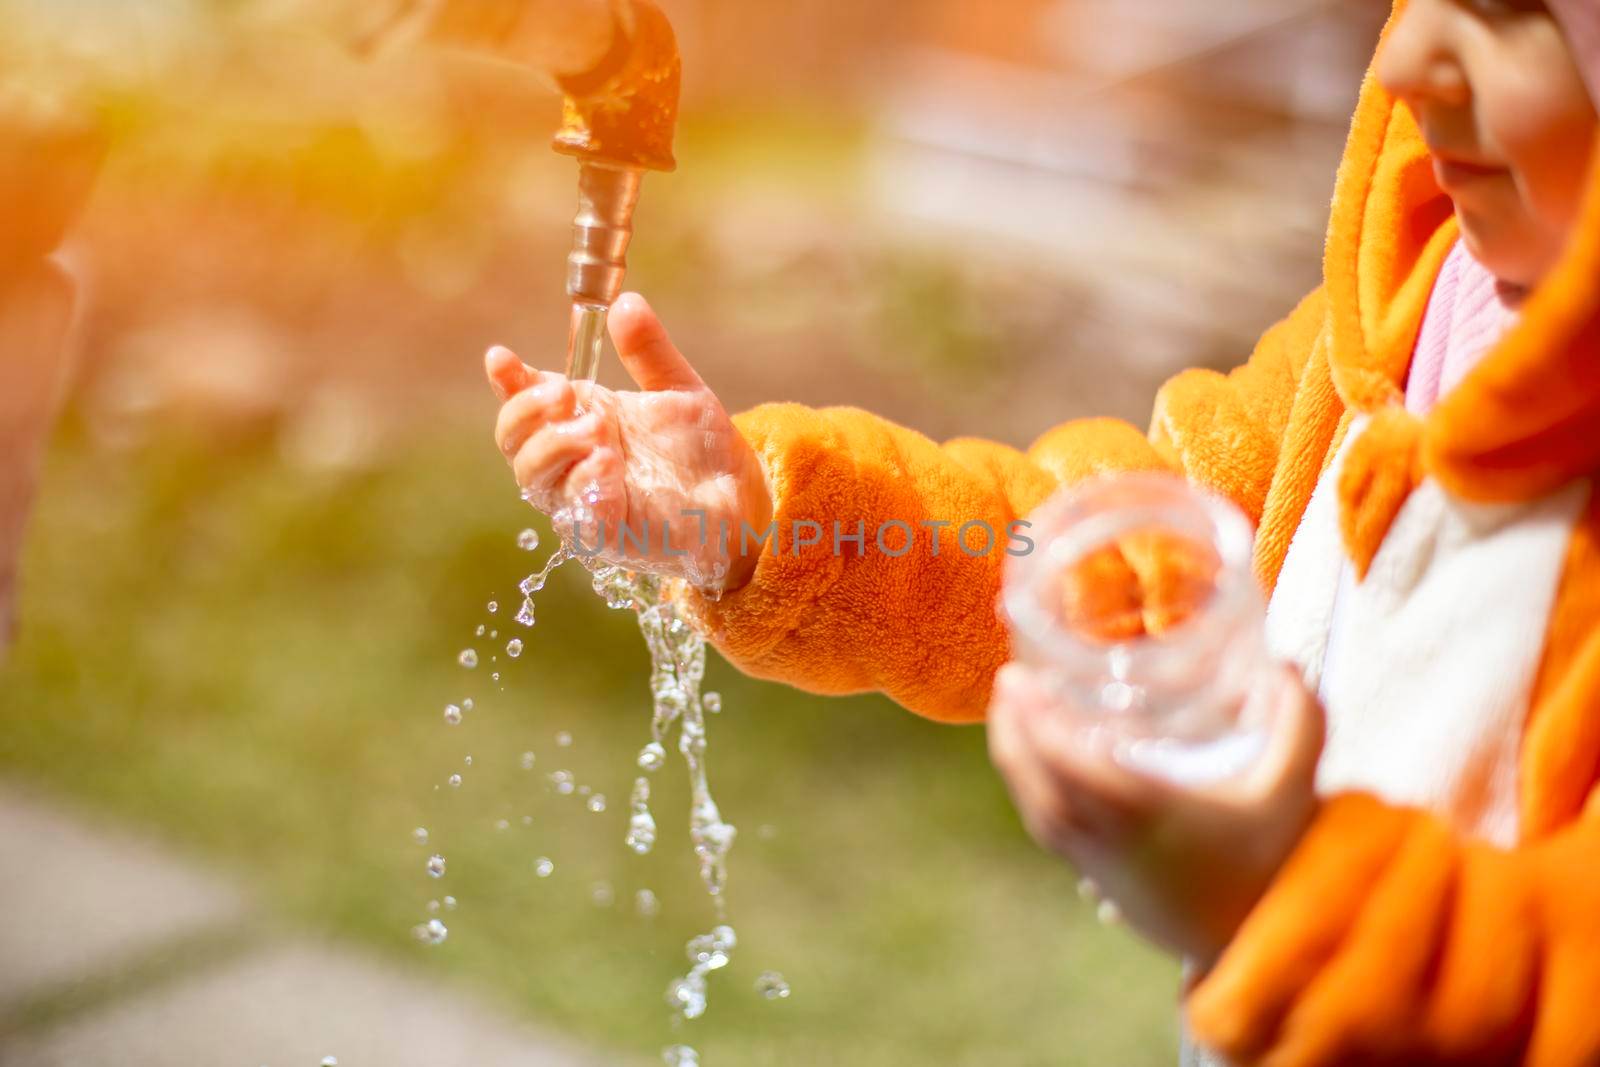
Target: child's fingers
(543,463)
(507,374)
(551,400)
(600,472)
(1108,797)
(649,355)
(1046,810)
(1298,729)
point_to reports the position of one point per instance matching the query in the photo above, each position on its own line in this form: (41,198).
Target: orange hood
(1527,419)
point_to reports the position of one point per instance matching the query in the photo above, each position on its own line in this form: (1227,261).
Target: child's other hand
(1183,865)
(653,459)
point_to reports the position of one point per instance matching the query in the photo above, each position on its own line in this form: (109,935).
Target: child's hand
(666,461)
(1183,865)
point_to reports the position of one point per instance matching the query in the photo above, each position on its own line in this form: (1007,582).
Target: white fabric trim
(1427,666)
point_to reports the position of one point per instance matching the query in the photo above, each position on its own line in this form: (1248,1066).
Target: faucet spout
(617,66)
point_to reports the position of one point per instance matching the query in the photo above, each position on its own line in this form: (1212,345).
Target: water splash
(678,663)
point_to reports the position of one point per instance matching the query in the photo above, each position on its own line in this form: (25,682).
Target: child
(1417,442)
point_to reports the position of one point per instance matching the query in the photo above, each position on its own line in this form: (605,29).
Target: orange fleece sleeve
(1389,939)
(916,616)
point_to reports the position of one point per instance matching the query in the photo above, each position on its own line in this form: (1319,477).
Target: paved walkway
(115,954)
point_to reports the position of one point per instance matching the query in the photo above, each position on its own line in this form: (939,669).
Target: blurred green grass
(252,660)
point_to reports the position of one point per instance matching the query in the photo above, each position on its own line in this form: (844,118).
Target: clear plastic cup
(1140,608)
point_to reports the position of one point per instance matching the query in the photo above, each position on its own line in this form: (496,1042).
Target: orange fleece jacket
(1387,938)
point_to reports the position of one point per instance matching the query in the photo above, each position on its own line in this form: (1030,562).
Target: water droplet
(455,781)
(433,907)
(528,540)
(420,835)
(641,833)
(436,866)
(527,761)
(680,1056)
(712,951)
(602,895)
(641,824)
(652,757)
(687,995)
(564,740)
(466,705)
(482,629)
(333,1061)
(561,782)
(495,677)
(597,803)
(527,820)
(452,714)
(494,606)
(525,613)
(469,761)
(646,904)
(543,867)
(468,658)
(449,903)
(704,953)
(492,635)
(584,790)
(502,825)
(432,932)
(514,647)
(771,986)
(712,702)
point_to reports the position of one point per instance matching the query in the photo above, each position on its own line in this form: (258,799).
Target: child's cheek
(1546,128)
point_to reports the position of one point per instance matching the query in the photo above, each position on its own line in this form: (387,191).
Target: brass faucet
(617,67)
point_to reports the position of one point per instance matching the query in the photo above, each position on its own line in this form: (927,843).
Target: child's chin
(1512,253)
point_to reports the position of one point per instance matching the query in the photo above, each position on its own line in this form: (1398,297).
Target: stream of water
(679,708)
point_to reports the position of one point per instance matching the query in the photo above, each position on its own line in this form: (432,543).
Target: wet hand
(1184,865)
(665,461)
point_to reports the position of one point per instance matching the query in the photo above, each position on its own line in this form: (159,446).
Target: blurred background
(271,515)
